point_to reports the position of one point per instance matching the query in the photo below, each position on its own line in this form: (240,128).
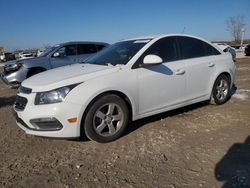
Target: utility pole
(242,35)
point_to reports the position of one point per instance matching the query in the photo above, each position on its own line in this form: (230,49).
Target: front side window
(86,49)
(68,50)
(118,53)
(165,48)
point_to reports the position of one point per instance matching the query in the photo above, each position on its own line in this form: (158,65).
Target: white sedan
(128,80)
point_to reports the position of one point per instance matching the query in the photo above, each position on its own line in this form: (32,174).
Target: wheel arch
(104,93)
(34,69)
(227,73)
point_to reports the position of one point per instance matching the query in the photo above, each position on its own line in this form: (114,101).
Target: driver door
(162,85)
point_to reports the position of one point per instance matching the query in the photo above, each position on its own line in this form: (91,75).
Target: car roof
(156,37)
(83,42)
(150,37)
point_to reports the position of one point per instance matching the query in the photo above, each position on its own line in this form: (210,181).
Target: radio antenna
(183,30)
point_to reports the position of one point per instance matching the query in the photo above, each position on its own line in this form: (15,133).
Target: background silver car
(59,55)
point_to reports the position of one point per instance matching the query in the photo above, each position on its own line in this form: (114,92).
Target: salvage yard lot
(197,146)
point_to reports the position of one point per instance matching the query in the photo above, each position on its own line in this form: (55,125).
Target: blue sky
(31,23)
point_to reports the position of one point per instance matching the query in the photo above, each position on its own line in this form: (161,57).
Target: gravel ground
(197,146)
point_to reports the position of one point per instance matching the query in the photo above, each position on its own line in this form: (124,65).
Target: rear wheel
(221,89)
(106,119)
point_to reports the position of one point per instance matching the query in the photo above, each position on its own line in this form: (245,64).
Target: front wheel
(221,90)
(106,119)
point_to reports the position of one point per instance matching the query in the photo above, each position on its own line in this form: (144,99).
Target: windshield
(47,51)
(118,53)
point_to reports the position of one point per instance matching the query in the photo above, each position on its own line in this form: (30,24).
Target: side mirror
(56,54)
(152,60)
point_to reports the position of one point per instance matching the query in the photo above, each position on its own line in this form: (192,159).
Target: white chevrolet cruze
(129,80)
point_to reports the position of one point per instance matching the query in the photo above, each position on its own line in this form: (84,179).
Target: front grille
(20,103)
(25,90)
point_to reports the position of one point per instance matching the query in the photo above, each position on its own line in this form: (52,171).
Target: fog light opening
(46,124)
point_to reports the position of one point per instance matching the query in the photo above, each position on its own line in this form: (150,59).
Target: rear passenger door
(200,66)
(84,51)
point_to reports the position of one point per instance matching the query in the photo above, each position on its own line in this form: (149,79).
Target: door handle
(180,72)
(210,64)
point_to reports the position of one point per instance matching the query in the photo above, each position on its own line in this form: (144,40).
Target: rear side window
(86,49)
(100,47)
(210,50)
(165,48)
(71,50)
(193,48)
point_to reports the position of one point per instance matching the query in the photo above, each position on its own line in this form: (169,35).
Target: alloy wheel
(222,90)
(108,119)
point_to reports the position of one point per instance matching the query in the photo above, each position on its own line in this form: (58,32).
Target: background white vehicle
(126,81)
(26,55)
(2,57)
(226,48)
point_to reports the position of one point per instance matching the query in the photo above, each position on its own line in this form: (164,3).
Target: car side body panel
(199,73)
(164,76)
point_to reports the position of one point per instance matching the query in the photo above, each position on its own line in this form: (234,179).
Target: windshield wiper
(110,64)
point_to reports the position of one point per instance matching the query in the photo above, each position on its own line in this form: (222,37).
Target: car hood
(26,61)
(66,75)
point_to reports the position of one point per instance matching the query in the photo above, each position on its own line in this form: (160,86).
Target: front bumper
(2,77)
(14,79)
(41,124)
(58,113)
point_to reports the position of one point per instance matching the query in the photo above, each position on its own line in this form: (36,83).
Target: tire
(106,119)
(33,72)
(221,90)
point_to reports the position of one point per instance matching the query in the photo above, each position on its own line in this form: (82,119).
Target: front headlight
(12,67)
(54,96)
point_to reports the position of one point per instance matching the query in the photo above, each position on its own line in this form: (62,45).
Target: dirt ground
(197,146)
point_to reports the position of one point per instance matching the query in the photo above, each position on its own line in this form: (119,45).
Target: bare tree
(234,26)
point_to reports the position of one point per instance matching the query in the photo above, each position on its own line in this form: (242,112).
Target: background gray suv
(59,55)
